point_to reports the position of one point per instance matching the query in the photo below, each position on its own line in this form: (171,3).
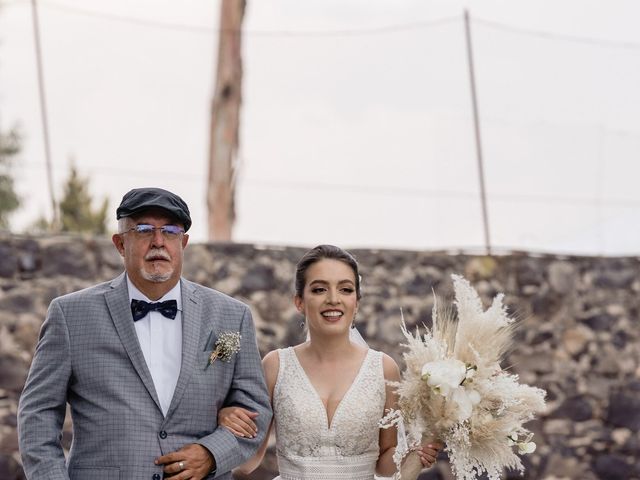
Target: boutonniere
(227,344)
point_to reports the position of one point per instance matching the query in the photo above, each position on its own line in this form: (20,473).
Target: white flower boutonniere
(227,345)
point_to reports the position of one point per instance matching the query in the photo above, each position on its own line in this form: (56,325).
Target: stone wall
(579,336)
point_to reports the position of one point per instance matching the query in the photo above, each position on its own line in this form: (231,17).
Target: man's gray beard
(156,277)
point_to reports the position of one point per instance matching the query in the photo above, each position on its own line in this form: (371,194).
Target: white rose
(444,375)
(474,396)
(465,399)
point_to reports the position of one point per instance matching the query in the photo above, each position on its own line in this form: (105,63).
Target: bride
(329,392)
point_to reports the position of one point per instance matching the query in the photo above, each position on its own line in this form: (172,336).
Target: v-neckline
(329,424)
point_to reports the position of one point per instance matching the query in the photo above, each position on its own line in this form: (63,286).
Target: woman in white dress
(329,392)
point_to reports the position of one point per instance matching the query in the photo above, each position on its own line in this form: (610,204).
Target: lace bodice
(307,447)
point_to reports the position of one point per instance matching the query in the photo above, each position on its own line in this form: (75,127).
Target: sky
(356,124)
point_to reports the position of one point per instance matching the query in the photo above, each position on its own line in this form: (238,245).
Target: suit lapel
(191,322)
(118,303)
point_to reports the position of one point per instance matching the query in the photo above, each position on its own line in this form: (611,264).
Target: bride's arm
(385,466)
(254,462)
(238,420)
(388,436)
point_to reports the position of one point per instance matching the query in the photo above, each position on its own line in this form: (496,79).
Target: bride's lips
(332,315)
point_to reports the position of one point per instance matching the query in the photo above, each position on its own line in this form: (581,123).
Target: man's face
(152,258)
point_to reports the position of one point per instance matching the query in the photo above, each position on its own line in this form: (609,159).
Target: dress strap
(283,356)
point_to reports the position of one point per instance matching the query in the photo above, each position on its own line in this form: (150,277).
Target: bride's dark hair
(320,253)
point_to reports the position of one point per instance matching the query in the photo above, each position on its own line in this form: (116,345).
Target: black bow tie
(140,308)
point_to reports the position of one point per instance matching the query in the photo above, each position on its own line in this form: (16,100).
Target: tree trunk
(225,122)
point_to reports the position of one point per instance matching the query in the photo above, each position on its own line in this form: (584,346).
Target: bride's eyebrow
(324,282)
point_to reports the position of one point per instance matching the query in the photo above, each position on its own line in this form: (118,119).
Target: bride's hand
(428,453)
(238,421)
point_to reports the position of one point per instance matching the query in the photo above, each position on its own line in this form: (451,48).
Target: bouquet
(453,389)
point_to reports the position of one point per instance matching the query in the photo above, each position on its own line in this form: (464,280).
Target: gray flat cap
(140,199)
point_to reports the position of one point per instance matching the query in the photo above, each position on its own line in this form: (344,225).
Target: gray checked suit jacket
(89,356)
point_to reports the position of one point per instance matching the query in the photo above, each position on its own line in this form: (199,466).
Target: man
(133,358)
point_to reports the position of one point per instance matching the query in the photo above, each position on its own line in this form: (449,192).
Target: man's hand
(192,461)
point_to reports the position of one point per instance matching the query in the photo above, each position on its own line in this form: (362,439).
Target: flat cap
(140,199)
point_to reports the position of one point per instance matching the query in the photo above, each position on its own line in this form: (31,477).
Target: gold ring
(181,465)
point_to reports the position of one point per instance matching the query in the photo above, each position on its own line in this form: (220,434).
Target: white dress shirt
(161,343)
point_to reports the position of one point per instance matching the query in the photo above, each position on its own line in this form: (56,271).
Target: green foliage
(9,200)
(41,225)
(76,212)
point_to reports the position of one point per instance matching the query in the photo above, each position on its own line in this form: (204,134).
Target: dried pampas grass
(480,419)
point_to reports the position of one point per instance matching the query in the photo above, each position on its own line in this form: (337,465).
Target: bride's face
(329,302)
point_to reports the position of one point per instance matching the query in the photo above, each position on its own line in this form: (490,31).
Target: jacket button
(163,434)
(156,476)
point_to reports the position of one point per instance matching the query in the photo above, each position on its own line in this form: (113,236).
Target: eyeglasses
(144,230)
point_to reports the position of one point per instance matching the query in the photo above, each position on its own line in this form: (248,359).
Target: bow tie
(140,308)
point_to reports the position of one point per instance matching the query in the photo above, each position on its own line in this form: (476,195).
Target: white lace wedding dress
(310,449)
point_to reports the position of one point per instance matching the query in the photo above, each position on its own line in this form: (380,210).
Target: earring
(302,323)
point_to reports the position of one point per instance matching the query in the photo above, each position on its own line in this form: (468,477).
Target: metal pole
(43,111)
(476,124)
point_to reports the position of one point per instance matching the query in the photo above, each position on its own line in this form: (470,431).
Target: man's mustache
(157,253)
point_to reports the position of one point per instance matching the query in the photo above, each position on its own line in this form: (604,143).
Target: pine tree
(76,213)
